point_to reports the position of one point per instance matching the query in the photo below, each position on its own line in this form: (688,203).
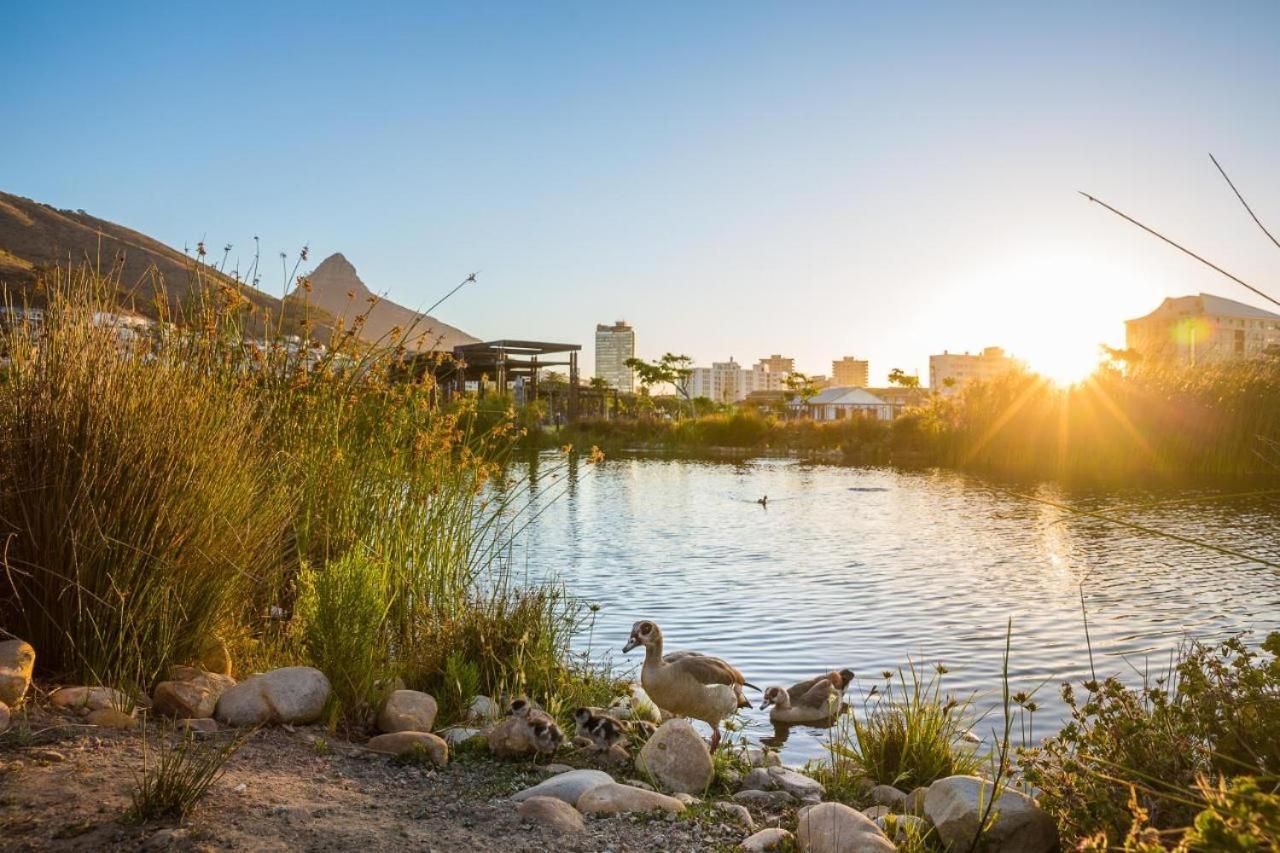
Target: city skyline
(859,178)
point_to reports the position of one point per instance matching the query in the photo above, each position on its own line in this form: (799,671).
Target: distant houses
(842,402)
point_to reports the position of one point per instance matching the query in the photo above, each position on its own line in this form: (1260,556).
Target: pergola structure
(504,361)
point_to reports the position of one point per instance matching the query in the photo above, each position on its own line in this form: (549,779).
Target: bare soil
(65,786)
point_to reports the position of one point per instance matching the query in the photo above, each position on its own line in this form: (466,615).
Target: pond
(872,568)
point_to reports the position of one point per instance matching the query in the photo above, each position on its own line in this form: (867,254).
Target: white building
(949,372)
(839,403)
(1203,329)
(731,382)
(614,345)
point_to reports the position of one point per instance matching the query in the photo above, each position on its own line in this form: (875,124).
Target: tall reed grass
(302,506)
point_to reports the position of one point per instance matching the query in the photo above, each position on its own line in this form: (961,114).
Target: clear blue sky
(883,180)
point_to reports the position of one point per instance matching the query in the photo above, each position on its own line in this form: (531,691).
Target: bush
(178,774)
(1216,713)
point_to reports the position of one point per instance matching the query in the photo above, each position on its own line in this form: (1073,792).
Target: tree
(802,385)
(671,369)
(898,376)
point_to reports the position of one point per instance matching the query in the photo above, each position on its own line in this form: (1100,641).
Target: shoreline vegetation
(183,510)
(1177,424)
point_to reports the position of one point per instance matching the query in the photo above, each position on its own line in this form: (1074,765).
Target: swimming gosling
(688,684)
(818,705)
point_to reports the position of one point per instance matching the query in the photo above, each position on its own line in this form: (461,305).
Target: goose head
(778,697)
(846,678)
(643,633)
(546,737)
(583,717)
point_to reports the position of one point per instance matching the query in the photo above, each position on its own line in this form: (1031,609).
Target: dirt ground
(66,787)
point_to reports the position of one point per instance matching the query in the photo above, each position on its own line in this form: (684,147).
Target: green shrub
(1216,713)
(176,776)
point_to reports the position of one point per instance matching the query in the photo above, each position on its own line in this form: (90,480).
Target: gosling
(541,729)
(819,705)
(688,684)
(599,731)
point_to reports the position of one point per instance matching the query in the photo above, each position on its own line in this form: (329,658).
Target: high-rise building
(850,372)
(1202,329)
(614,345)
(950,371)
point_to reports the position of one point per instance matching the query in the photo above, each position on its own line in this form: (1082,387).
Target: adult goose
(815,701)
(688,684)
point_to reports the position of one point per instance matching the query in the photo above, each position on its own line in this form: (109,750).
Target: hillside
(36,236)
(337,289)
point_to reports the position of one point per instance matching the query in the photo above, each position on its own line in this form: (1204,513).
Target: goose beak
(632,642)
(765,703)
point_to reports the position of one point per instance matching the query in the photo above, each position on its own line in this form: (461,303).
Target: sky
(882,180)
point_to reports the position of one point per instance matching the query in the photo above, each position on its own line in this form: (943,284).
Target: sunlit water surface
(870,568)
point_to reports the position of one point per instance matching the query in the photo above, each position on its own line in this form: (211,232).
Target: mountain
(337,289)
(35,236)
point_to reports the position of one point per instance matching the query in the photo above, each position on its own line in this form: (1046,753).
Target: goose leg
(715,737)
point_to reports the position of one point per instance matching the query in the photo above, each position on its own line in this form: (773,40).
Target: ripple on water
(929,567)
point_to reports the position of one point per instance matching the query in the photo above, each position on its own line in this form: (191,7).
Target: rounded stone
(772,838)
(677,758)
(412,743)
(17,661)
(407,711)
(955,807)
(294,694)
(836,828)
(568,787)
(552,813)
(614,798)
(111,718)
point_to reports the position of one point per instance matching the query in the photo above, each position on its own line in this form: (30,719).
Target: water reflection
(870,568)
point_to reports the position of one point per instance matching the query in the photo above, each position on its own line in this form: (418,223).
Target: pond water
(870,568)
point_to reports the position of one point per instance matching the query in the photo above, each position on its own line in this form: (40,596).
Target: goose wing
(817,696)
(800,689)
(704,668)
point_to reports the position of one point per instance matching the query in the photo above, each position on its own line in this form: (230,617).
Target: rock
(82,700)
(772,838)
(407,711)
(764,799)
(548,770)
(738,812)
(483,710)
(758,780)
(459,735)
(687,799)
(638,784)
(900,827)
(954,805)
(836,828)
(615,756)
(215,657)
(760,757)
(887,795)
(796,784)
(874,812)
(510,738)
(914,804)
(50,755)
(613,798)
(677,758)
(200,725)
(110,718)
(192,693)
(566,786)
(294,694)
(412,743)
(729,777)
(4,718)
(165,839)
(552,813)
(17,660)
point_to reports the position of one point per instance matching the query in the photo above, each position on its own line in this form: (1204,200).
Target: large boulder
(17,660)
(510,738)
(566,786)
(758,780)
(772,838)
(294,694)
(552,813)
(407,711)
(191,694)
(955,807)
(677,758)
(836,828)
(412,743)
(615,798)
(85,700)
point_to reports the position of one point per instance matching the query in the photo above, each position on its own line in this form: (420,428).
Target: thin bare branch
(1182,248)
(1223,172)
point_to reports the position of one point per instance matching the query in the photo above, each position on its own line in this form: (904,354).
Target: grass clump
(907,734)
(178,774)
